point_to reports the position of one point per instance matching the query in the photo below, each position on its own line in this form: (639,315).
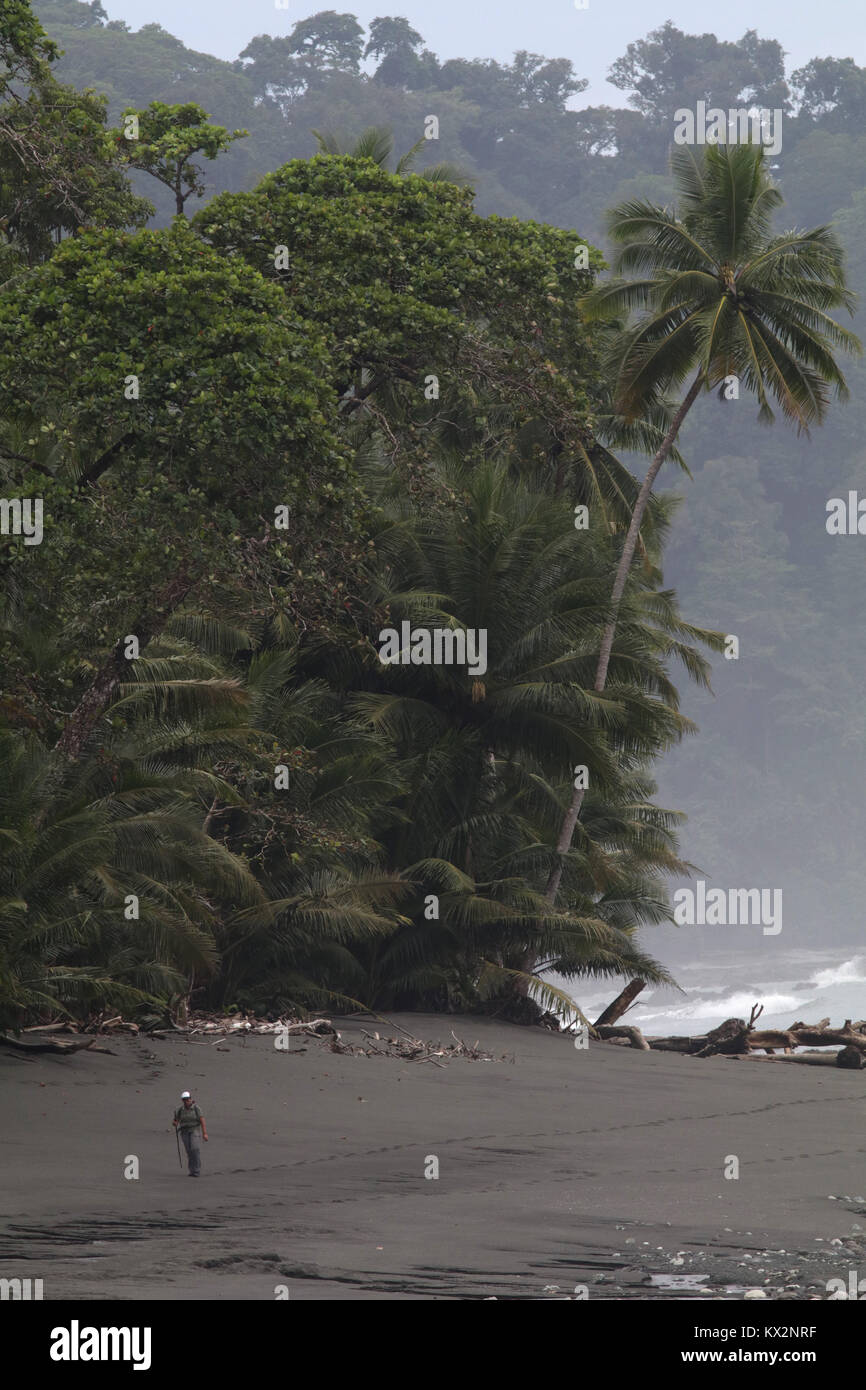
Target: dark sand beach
(564,1168)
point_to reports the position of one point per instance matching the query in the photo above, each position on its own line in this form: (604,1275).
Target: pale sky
(592,38)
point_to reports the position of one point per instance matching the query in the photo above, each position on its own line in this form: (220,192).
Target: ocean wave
(736,1005)
(850,972)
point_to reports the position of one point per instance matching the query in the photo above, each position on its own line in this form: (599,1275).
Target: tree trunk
(617,1008)
(566,833)
(98,695)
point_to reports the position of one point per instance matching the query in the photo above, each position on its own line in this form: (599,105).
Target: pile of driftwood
(86,1033)
(232,1024)
(409,1049)
(406,1048)
(737,1038)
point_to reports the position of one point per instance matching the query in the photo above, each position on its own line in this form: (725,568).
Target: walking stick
(177,1137)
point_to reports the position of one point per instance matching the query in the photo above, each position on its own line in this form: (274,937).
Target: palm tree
(312,847)
(242,892)
(717,295)
(377,143)
(486,761)
(108,884)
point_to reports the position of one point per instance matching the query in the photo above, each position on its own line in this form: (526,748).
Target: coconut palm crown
(718,295)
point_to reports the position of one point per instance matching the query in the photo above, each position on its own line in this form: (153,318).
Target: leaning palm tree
(377,143)
(717,296)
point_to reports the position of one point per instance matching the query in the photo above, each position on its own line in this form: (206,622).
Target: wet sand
(601,1168)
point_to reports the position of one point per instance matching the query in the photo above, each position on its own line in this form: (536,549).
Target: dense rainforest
(286,376)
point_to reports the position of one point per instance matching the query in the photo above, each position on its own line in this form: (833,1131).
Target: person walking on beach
(189,1122)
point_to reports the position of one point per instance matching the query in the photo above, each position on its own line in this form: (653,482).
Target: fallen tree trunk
(820,1037)
(49,1045)
(773,1037)
(619,1005)
(678,1044)
(803,1059)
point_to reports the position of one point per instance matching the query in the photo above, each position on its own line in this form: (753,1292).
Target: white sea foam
(737,1005)
(850,972)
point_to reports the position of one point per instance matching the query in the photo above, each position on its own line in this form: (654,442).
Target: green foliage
(234,417)
(59,171)
(405,282)
(80,14)
(721,295)
(832,90)
(669,69)
(76,842)
(377,144)
(25,49)
(391,38)
(328,41)
(168,138)
(225,370)
(395,44)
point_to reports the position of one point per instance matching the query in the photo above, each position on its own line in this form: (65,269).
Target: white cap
(184,1095)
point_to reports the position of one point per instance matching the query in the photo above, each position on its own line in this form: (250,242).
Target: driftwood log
(678,1044)
(823,1037)
(634,1036)
(802,1059)
(738,1038)
(47,1045)
(732,1036)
